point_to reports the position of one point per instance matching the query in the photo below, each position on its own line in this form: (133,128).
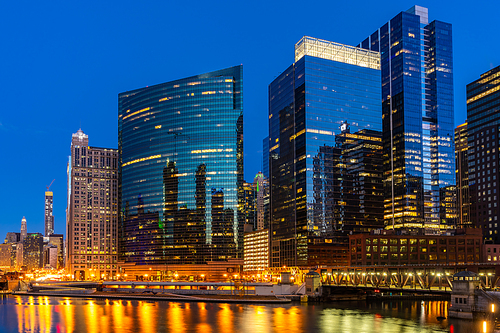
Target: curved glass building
(181,170)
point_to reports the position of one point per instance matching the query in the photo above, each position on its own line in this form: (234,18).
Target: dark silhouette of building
(483,130)
(462,172)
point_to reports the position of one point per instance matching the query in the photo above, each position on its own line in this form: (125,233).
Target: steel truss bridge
(418,278)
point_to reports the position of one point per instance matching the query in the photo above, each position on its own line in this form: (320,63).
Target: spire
(24,229)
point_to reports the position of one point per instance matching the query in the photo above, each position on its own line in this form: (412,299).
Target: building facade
(57,241)
(181,170)
(265,157)
(261,185)
(92,212)
(416,248)
(418,118)
(49,216)
(256,251)
(24,229)
(12,237)
(483,128)
(249,208)
(329,87)
(462,176)
(6,256)
(33,251)
(354,186)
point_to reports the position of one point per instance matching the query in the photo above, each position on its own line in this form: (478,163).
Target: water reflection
(52,314)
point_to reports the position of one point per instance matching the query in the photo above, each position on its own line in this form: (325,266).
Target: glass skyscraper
(418,120)
(181,170)
(318,108)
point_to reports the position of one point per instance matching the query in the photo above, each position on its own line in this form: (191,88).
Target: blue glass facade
(310,104)
(181,170)
(418,116)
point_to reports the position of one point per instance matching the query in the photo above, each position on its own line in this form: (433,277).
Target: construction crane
(50,185)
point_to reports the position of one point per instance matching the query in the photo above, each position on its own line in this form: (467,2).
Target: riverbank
(166,297)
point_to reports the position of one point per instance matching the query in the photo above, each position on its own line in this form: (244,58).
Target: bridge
(414,278)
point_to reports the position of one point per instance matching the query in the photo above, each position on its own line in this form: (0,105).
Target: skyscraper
(329,87)
(417,105)
(483,127)
(181,170)
(261,186)
(92,212)
(33,251)
(265,157)
(24,229)
(249,207)
(49,216)
(462,175)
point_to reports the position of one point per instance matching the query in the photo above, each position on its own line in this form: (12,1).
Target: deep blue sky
(63,64)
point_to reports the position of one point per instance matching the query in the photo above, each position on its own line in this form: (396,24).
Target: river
(62,314)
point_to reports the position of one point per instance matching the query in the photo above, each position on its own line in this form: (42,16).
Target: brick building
(415,248)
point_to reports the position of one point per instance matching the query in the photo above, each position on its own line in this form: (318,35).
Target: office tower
(261,186)
(6,256)
(483,127)
(92,212)
(49,216)
(249,206)
(462,176)
(265,157)
(417,106)
(33,251)
(57,240)
(24,229)
(12,237)
(355,188)
(181,171)
(330,86)
(50,256)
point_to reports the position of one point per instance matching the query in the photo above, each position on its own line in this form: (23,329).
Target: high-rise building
(265,157)
(462,176)
(92,212)
(181,171)
(50,256)
(49,216)
(57,240)
(249,206)
(6,256)
(261,186)
(329,87)
(418,120)
(255,195)
(12,237)
(483,128)
(354,186)
(33,251)
(24,229)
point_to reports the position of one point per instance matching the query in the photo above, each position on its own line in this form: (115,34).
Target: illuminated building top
(347,54)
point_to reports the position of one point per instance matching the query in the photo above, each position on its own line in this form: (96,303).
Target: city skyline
(48,114)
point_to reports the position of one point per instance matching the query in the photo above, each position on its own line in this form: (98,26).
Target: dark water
(61,314)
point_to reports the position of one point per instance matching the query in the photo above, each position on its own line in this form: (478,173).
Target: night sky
(63,64)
